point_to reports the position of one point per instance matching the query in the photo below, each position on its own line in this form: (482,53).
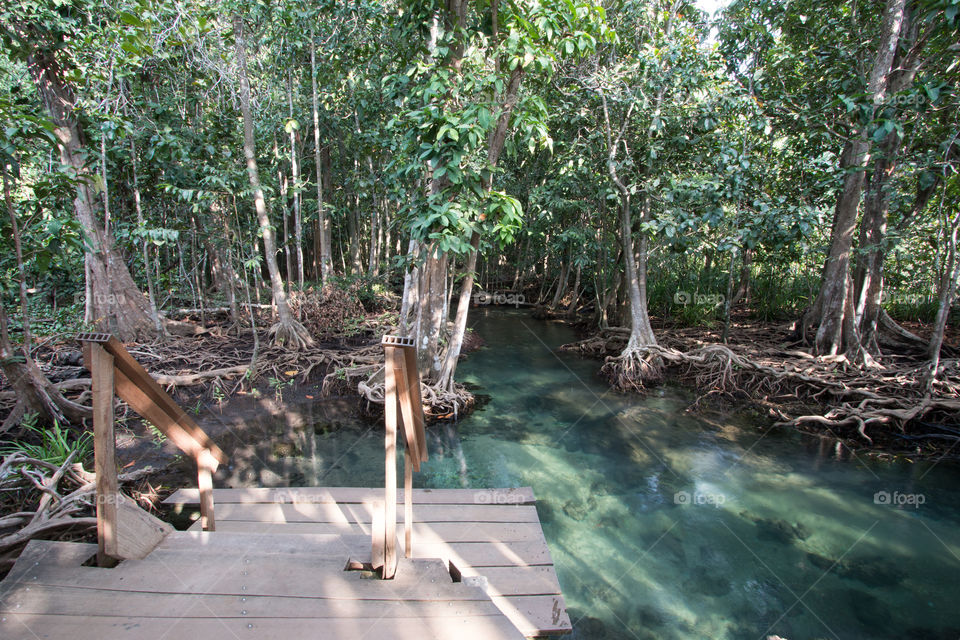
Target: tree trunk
(641,332)
(373,262)
(21,271)
(35,394)
(287,255)
(287,331)
(743,289)
(145,245)
(576,294)
(114,301)
(873,227)
(353,228)
(295,174)
(562,284)
(948,290)
(445,380)
(832,301)
(323,224)
(431,322)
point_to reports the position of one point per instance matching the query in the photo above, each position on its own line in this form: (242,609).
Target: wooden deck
(274,568)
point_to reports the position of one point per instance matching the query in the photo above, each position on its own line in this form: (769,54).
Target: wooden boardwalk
(491,535)
(274,569)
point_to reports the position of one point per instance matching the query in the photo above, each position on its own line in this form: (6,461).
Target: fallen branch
(196,378)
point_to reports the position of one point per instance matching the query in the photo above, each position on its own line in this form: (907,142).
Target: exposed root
(438,403)
(826,395)
(633,370)
(291,335)
(43,500)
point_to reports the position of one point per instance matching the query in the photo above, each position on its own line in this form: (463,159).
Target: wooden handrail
(403,407)
(114,371)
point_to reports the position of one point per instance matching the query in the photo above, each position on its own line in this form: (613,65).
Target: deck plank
(535,615)
(363,512)
(32,627)
(52,600)
(259,577)
(346,495)
(422,531)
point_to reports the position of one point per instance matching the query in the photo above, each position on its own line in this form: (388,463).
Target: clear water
(664,524)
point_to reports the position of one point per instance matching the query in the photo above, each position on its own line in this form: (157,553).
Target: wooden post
(407,503)
(390,463)
(403,408)
(105,460)
(114,371)
(206,463)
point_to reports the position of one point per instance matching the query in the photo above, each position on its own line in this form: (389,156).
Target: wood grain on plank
(343,495)
(363,513)
(435,532)
(31,627)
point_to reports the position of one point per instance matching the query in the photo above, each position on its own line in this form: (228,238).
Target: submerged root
(291,335)
(633,370)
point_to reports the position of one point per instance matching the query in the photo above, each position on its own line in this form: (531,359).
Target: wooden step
(430,532)
(84,627)
(346,495)
(416,579)
(363,513)
(317,545)
(51,600)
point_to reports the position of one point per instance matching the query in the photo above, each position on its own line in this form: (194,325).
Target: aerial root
(438,403)
(853,402)
(633,370)
(291,334)
(45,500)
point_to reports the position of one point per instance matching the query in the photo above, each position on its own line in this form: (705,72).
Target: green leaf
(130,19)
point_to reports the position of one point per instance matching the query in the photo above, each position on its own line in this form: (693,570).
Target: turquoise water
(664,524)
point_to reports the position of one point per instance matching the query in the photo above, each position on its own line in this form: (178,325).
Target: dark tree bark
(115,303)
(833,301)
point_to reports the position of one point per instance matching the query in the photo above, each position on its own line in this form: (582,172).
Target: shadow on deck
(274,568)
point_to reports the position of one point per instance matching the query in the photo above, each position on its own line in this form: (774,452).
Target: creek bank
(883,412)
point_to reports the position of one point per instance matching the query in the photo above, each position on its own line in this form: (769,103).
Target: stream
(664,524)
